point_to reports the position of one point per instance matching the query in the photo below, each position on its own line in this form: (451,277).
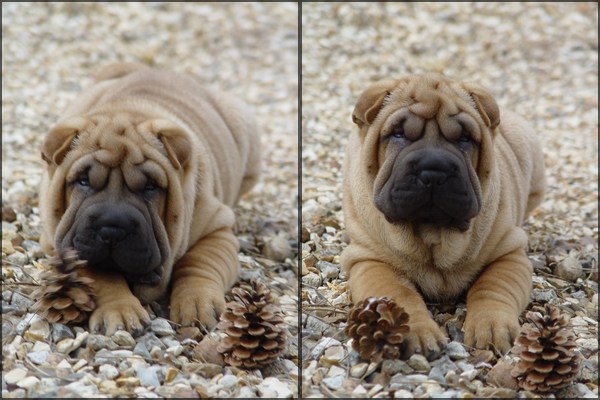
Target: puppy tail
(117,70)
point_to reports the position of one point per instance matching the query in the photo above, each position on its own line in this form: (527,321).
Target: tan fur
(407,262)
(206,144)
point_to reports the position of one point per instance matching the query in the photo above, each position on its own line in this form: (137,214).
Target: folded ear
(175,140)
(485,104)
(59,139)
(370,101)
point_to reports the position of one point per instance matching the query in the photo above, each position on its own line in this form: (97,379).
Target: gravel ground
(49,52)
(540,60)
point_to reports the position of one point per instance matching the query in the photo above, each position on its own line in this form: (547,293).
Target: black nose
(431,177)
(114,226)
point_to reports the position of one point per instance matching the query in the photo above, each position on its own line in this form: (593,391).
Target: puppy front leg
(377,279)
(201,278)
(116,306)
(495,301)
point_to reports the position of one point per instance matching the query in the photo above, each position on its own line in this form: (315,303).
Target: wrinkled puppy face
(428,137)
(114,181)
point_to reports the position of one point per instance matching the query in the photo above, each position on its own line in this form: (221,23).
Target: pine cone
(64,296)
(546,347)
(254,325)
(378,327)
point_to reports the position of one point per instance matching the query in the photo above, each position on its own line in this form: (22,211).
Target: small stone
(437,375)
(61,332)
(21,302)
(543,296)
(123,338)
(209,370)
(33,248)
(7,247)
(333,355)
(170,374)
(140,349)
(15,375)
(175,350)
(336,371)
(28,383)
(65,366)
(161,327)
(108,371)
(18,258)
(500,375)
(147,376)
(273,388)
(277,248)
(334,382)
(311,279)
(392,367)
(419,363)
(228,381)
(98,342)
(358,370)
(128,381)
(65,346)
(323,344)
(39,329)
(403,394)
(456,351)
(569,269)
(38,357)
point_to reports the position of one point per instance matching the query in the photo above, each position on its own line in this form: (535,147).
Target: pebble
(403,394)
(140,349)
(456,351)
(209,370)
(277,247)
(569,269)
(161,327)
(334,382)
(28,383)
(228,381)
(392,367)
(311,279)
(38,357)
(99,342)
(39,329)
(419,363)
(148,376)
(358,370)
(333,355)
(22,302)
(543,296)
(123,338)
(323,344)
(14,376)
(60,332)
(108,371)
(272,387)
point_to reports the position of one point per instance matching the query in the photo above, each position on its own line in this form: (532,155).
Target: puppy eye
(83,180)
(464,138)
(398,132)
(150,186)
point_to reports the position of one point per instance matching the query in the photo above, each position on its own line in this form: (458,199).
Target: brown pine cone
(256,334)
(64,296)
(547,349)
(377,326)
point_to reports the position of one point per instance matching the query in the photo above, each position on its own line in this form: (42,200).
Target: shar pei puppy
(141,173)
(437,183)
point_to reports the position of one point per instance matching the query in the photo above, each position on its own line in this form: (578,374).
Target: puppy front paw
(200,307)
(497,329)
(122,314)
(425,337)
